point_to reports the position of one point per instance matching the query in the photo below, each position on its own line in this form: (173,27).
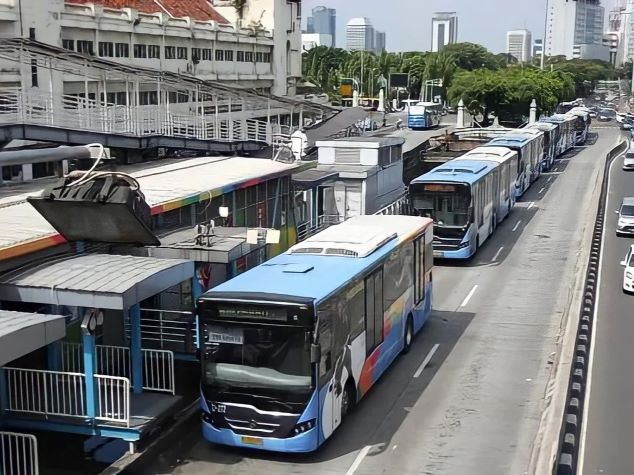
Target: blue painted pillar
(135,349)
(197,291)
(4,391)
(88,344)
(54,356)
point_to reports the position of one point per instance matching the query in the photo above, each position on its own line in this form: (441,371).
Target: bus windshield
(446,204)
(247,356)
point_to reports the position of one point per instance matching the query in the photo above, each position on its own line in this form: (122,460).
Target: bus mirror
(315,353)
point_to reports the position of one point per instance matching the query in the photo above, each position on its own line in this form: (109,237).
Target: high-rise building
(444,30)
(518,44)
(538,47)
(323,22)
(360,35)
(572,23)
(379,41)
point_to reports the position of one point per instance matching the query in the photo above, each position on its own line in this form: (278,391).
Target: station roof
(94,280)
(168,185)
(23,332)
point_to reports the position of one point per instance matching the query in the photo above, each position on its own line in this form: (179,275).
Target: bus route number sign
(440,188)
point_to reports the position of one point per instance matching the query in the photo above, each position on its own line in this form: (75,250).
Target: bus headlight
(464,244)
(304,427)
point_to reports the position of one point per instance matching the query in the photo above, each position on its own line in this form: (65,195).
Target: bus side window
(326,342)
(374,310)
(419,269)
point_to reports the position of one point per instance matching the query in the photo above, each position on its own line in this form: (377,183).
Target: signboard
(253,313)
(439,187)
(399,80)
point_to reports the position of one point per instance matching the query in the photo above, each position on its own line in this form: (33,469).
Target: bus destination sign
(252,313)
(439,187)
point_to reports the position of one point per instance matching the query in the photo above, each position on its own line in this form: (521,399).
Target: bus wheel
(348,399)
(409,335)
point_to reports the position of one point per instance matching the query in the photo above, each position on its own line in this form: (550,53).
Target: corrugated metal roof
(172,185)
(94,280)
(22,332)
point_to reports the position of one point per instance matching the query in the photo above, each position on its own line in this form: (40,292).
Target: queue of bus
(288,348)
(468,197)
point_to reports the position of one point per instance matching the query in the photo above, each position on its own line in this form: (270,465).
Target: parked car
(628,272)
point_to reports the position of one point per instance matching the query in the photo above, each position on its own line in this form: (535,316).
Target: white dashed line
(426,361)
(357,461)
(541,191)
(469,295)
(531,204)
(517,225)
(497,254)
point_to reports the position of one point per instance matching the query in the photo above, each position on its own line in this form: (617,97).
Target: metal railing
(306,230)
(18,454)
(158,365)
(165,329)
(78,113)
(113,399)
(46,393)
(398,207)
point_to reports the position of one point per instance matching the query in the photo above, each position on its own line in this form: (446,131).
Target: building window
(122,50)
(248,56)
(84,46)
(196,54)
(68,44)
(267,57)
(228,55)
(154,51)
(34,79)
(240,57)
(259,57)
(148,98)
(140,51)
(106,49)
(220,55)
(181,52)
(207,54)
(170,52)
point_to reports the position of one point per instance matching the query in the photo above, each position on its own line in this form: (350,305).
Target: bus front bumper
(305,442)
(464,253)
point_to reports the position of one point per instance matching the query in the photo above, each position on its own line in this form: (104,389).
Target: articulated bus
(530,150)
(582,124)
(289,347)
(567,133)
(506,178)
(551,139)
(424,115)
(459,196)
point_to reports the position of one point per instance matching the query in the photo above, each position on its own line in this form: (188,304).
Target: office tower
(570,24)
(518,44)
(444,30)
(360,35)
(323,22)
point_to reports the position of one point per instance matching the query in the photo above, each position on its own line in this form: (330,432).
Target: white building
(518,44)
(261,50)
(444,30)
(538,47)
(570,23)
(313,40)
(360,35)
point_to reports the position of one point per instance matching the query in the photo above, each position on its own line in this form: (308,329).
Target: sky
(407,23)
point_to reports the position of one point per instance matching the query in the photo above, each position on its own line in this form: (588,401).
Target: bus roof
(543,126)
(327,261)
(558,118)
(511,140)
(491,154)
(458,171)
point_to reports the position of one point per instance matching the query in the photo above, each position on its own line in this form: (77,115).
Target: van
(625,224)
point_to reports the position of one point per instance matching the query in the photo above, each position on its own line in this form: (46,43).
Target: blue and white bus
(551,139)
(530,150)
(582,124)
(424,115)
(506,178)
(289,347)
(567,132)
(459,196)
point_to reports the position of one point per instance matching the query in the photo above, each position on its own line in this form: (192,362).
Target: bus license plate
(252,440)
(232,336)
(438,253)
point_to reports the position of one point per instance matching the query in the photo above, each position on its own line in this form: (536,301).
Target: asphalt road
(607,430)
(476,407)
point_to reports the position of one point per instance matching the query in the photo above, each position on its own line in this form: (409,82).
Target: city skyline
(475,25)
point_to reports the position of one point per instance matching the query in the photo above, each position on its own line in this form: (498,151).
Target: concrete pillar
(88,344)
(136,357)
(355,98)
(381,107)
(533,112)
(27,172)
(460,118)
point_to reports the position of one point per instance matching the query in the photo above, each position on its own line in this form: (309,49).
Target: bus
(506,179)
(582,124)
(459,197)
(530,150)
(551,139)
(424,115)
(289,347)
(567,131)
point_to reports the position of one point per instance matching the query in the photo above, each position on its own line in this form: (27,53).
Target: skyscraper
(444,30)
(379,41)
(570,24)
(360,35)
(518,44)
(324,22)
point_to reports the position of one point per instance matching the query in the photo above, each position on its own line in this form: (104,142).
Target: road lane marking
(595,319)
(426,360)
(517,225)
(540,192)
(357,461)
(531,204)
(469,295)
(549,179)
(497,254)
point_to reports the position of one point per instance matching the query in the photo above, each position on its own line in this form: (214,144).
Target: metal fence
(113,399)
(165,329)
(78,113)
(18,454)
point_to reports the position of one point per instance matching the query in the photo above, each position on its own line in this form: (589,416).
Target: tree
(469,56)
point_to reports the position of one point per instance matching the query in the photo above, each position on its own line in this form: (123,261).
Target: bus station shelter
(86,387)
